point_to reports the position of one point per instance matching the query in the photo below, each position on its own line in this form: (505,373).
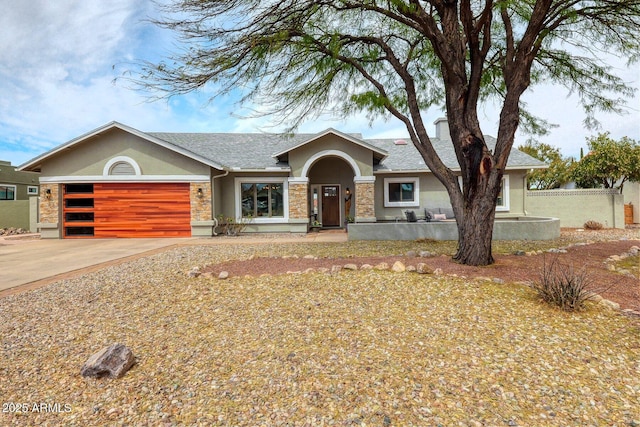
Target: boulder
(611,304)
(112,361)
(381,266)
(423,268)
(398,267)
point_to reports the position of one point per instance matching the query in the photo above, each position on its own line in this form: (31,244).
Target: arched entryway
(331,190)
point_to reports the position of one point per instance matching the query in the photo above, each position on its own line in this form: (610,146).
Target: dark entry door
(330,206)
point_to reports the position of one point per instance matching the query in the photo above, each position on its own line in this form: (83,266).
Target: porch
(517,228)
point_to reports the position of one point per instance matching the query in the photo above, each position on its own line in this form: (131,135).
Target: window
(502,204)
(7,192)
(399,192)
(122,168)
(261,199)
(33,190)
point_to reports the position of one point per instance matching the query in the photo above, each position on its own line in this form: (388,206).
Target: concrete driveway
(27,262)
(24,260)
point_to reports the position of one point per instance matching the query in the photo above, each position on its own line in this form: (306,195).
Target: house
(117,181)
(16,188)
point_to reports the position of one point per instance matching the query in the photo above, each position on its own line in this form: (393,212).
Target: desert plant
(564,287)
(230,227)
(593,225)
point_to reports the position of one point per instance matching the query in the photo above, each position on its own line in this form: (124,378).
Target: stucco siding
(90,157)
(15,213)
(362,156)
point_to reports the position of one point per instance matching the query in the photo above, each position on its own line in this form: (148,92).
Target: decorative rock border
(422,268)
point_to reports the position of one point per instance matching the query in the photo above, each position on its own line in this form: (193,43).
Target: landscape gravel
(365,347)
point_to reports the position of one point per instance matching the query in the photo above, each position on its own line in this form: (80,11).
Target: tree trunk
(475,231)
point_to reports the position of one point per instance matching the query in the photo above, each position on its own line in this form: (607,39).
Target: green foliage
(609,163)
(558,172)
(299,59)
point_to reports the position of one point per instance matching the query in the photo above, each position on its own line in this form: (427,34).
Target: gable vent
(122,168)
(400,142)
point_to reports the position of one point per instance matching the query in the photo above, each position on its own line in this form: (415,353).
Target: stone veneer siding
(298,203)
(49,207)
(365,207)
(200,206)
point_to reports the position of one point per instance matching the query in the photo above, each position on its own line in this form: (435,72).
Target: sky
(59,59)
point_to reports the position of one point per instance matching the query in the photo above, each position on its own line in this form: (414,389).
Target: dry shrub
(564,287)
(593,225)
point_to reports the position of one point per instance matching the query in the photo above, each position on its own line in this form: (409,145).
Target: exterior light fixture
(200,194)
(47,194)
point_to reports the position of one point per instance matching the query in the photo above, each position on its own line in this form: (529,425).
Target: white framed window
(401,192)
(7,192)
(262,199)
(502,203)
(32,190)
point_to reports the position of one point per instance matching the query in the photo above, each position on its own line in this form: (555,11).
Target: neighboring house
(16,188)
(16,185)
(117,181)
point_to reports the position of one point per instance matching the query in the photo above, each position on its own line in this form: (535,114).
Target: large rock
(423,268)
(398,267)
(113,361)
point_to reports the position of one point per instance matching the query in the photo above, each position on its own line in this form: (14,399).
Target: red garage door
(127,210)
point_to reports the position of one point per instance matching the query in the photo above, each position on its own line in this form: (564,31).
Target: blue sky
(59,59)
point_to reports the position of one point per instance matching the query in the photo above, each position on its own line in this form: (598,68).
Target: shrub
(231,227)
(593,225)
(560,285)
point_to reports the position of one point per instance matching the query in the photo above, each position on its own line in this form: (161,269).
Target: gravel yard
(372,348)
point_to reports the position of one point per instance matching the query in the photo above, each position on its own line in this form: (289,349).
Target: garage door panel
(141,210)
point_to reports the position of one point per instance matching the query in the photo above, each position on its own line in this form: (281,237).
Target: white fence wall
(575,207)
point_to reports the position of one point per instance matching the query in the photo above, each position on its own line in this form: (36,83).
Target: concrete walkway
(27,262)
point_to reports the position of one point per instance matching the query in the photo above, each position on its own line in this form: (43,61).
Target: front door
(330,206)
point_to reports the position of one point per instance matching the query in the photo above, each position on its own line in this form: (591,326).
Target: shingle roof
(235,150)
(407,158)
(256,150)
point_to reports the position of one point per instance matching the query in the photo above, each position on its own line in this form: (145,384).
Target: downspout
(213,200)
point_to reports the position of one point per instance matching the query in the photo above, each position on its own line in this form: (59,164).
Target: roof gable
(35,163)
(378,152)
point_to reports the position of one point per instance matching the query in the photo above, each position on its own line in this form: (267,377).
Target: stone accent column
(49,219)
(365,198)
(201,217)
(200,203)
(299,200)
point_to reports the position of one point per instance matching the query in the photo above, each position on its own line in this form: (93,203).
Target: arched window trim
(121,159)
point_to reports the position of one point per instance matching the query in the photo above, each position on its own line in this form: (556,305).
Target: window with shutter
(122,168)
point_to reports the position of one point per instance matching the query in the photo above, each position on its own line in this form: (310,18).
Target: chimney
(442,129)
